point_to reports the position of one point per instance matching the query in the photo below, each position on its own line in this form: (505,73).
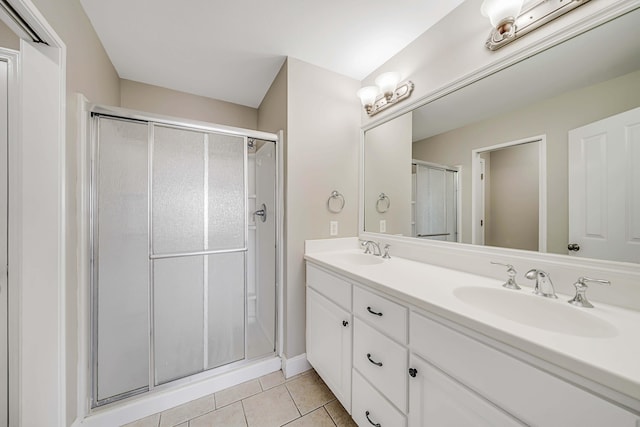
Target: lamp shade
(497,10)
(387,82)
(367,95)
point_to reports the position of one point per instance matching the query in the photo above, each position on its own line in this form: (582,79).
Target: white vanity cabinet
(329,336)
(526,392)
(397,365)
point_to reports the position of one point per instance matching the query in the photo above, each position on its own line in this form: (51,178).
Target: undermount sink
(358,259)
(538,312)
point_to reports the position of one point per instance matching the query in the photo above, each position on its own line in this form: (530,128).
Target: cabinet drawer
(528,393)
(385,315)
(332,287)
(370,408)
(382,362)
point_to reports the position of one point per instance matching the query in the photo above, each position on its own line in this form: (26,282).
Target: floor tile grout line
(330,417)
(293,400)
(244,413)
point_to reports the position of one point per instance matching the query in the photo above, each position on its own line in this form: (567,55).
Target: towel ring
(335,203)
(383,203)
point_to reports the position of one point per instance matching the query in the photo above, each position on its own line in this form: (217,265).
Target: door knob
(262,213)
(573,247)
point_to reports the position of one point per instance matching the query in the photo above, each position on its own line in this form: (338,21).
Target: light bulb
(368,95)
(387,82)
(499,10)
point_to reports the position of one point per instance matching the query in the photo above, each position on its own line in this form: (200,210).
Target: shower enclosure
(183,252)
(434,201)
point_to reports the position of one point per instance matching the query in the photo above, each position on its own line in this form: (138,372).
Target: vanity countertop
(611,359)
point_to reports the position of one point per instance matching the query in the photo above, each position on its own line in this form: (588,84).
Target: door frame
(12,58)
(24,253)
(476,190)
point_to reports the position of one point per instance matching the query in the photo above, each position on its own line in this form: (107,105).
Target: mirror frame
(609,13)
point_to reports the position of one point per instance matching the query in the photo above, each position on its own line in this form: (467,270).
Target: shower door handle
(262,213)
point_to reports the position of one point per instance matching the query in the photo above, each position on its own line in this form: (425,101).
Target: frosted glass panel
(226,192)
(226,308)
(178,190)
(122,258)
(178,314)
(451,205)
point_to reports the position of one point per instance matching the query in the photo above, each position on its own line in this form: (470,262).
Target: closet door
(121,276)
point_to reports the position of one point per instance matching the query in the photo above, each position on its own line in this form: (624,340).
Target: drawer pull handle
(373,361)
(413,372)
(373,312)
(371,422)
(345,323)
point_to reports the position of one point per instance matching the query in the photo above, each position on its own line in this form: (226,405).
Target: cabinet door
(329,344)
(436,399)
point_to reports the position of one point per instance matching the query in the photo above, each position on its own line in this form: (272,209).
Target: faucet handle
(580,299)
(386,251)
(511,272)
(366,245)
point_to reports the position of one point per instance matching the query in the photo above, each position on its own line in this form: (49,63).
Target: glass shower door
(121,265)
(198,251)
(169,219)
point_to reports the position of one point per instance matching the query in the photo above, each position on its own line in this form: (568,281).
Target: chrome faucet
(511,272)
(580,299)
(544,286)
(368,245)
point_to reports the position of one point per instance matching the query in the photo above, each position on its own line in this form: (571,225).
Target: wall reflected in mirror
(588,78)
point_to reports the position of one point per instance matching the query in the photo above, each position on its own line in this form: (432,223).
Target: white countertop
(612,360)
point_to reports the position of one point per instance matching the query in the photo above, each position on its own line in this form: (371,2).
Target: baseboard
(155,402)
(295,365)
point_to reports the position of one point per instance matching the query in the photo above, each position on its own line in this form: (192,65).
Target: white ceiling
(233,49)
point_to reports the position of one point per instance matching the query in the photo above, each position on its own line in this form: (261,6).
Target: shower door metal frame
(88,351)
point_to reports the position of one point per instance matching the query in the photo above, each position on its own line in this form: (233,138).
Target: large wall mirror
(521,158)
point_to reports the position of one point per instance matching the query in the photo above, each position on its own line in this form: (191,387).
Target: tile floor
(269,401)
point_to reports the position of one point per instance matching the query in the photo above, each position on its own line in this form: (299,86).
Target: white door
(329,344)
(435,399)
(42,252)
(604,188)
(4,378)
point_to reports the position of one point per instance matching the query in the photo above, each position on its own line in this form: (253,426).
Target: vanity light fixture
(385,93)
(512,19)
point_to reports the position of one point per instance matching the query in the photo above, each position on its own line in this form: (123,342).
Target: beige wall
(8,38)
(272,113)
(513,200)
(90,72)
(387,155)
(322,156)
(159,100)
(553,117)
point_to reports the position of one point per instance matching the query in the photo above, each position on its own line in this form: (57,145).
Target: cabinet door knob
(373,361)
(373,312)
(345,323)
(371,422)
(413,372)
